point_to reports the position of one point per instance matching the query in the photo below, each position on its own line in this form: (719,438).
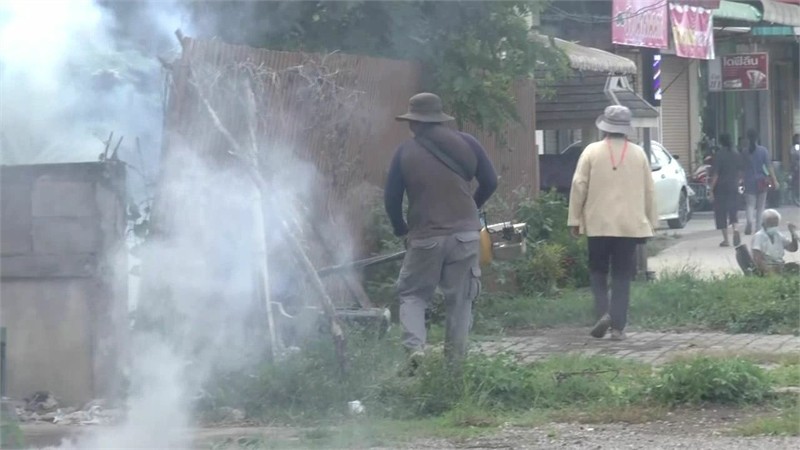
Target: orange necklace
(614,163)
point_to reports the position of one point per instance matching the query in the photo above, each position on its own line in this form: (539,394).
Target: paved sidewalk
(643,346)
(697,247)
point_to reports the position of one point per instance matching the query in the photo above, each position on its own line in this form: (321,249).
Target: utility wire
(586,18)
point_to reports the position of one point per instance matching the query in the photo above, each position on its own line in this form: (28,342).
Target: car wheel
(683,213)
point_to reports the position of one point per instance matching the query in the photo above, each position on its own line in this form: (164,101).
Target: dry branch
(249,164)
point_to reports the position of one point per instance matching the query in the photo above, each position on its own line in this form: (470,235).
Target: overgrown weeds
(711,380)
(306,386)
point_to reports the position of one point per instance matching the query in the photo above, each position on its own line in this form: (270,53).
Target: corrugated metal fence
(336,111)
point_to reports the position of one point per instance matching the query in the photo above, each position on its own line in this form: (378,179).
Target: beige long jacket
(608,202)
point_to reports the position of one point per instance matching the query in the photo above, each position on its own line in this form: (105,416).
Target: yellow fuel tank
(486,247)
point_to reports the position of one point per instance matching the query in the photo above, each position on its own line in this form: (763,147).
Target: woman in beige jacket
(612,203)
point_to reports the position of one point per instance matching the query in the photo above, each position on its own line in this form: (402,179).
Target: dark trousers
(725,209)
(617,256)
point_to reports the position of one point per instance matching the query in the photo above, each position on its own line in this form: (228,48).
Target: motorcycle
(700,182)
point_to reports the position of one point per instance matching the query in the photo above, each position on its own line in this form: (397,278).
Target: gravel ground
(700,430)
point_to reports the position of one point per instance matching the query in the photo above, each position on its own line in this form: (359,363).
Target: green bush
(550,211)
(711,380)
(546,217)
(544,270)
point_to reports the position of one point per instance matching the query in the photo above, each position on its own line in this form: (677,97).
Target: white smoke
(69,78)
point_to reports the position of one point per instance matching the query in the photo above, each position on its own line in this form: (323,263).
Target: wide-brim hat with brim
(425,107)
(616,119)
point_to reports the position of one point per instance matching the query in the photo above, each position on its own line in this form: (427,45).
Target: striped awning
(730,10)
(781,13)
(589,58)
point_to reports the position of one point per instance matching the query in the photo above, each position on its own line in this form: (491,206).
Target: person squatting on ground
(612,203)
(770,245)
(726,172)
(758,172)
(435,169)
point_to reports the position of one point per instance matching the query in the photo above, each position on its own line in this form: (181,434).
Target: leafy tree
(472,51)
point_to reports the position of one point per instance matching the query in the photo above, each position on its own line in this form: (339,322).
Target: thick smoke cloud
(71,73)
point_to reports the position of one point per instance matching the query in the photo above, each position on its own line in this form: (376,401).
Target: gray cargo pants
(451,263)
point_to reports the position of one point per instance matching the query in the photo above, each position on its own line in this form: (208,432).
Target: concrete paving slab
(648,347)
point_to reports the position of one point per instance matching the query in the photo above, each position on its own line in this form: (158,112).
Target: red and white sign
(640,23)
(745,72)
(692,31)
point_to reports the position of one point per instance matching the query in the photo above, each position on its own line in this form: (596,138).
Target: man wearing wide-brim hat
(435,169)
(612,203)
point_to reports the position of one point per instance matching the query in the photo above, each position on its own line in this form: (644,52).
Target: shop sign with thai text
(640,23)
(692,31)
(745,72)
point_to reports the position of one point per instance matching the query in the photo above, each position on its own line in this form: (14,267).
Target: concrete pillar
(695,112)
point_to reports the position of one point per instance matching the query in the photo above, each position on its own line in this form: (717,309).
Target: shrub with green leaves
(548,239)
(544,271)
(711,380)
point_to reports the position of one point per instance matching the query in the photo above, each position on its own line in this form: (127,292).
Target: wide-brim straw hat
(616,119)
(425,107)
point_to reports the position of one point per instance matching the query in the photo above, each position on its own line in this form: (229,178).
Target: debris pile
(42,406)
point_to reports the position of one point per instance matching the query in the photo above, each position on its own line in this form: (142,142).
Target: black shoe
(601,327)
(737,239)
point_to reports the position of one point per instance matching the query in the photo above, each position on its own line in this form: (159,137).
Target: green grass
(735,304)
(785,423)
(787,373)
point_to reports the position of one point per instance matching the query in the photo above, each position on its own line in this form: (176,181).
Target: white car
(672,188)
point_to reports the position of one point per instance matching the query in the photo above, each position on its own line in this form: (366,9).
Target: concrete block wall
(63,278)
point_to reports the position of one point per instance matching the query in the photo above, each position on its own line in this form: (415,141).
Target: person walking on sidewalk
(612,203)
(725,175)
(758,172)
(435,169)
